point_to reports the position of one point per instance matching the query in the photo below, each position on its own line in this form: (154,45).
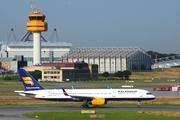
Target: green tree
(105,74)
(155,55)
(119,74)
(36,74)
(126,74)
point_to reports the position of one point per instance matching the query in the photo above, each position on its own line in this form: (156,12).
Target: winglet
(65,93)
(73,87)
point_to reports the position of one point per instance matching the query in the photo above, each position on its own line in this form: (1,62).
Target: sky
(149,24)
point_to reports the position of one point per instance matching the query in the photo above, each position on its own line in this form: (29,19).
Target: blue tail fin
(65,93)
(29,82)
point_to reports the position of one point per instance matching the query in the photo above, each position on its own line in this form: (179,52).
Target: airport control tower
(36,25)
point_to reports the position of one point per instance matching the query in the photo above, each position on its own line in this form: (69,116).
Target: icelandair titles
(29,88)
(127,91)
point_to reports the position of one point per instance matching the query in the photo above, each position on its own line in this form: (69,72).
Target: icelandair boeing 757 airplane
(96,97)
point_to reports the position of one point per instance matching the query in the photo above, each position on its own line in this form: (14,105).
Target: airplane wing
(29,94)
(83,97)
(80,97)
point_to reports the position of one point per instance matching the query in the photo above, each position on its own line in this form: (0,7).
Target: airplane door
(140,94)
(113,93)
(43,94)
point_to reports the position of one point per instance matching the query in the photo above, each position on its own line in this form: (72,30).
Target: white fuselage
(107,94)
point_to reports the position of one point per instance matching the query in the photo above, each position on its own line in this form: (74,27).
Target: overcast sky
(148,24)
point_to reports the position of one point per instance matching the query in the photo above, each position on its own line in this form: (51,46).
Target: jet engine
(98,102)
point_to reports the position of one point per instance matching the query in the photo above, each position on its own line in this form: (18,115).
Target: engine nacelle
(98,102)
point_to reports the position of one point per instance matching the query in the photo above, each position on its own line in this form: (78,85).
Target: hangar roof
(104,51)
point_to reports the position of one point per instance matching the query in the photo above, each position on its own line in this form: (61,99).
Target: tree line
(155,55)
(122,75)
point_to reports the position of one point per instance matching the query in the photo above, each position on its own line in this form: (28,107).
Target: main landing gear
(85,104)
(139,103)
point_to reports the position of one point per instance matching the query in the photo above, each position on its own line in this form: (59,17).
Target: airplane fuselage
(96,97)
(107,94)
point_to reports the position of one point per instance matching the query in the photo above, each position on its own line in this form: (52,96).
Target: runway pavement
(15,113)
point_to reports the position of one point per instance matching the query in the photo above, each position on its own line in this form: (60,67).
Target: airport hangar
(110,59)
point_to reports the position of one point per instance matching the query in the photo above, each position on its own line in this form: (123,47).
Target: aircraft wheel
(85,106)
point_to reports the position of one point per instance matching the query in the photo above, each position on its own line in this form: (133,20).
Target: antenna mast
(31,9)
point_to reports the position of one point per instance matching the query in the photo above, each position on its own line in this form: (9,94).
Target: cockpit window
(148,93)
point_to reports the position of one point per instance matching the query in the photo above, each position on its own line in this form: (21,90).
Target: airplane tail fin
(28,81)
(64,92)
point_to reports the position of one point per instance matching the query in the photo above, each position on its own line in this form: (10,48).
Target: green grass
(109,115)
(157,70)
(18,85)
(11,85)
(14,78)
(8,93)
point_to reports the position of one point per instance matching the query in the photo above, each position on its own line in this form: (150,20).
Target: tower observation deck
(36,25)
